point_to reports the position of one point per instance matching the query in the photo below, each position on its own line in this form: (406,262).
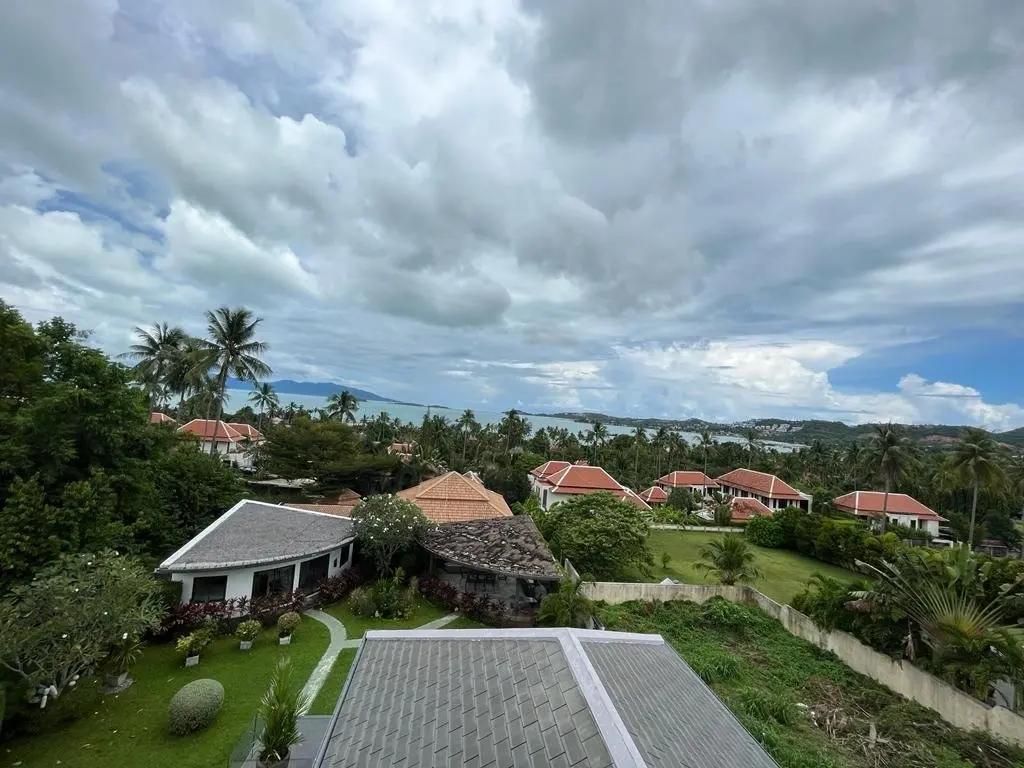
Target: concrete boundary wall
(705,528)
(954,706)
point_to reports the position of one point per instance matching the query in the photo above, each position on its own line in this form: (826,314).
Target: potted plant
(280,709)
(191,645)
(286,624)
(123,656)
(248,631)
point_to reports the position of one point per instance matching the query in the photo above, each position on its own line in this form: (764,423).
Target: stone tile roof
(685,478)
(870,503)
(530,698)
(257,533)
(760,483)
(508,545)
(453,498)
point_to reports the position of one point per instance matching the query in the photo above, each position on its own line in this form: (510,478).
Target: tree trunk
(222,383)
(974,513)
(885,505)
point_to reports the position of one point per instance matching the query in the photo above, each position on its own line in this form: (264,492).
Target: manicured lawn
(356,626)
(328,696)
(130,729)
(463,623)
(783,573)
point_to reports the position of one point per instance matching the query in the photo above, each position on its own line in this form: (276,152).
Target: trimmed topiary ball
(195,706)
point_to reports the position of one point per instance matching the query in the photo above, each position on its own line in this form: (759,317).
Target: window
(312,572)
(273,580)
(208,589)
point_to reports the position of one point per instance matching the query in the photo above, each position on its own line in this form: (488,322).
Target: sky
(723,209)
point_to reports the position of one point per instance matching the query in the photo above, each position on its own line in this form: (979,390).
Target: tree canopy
(387,525)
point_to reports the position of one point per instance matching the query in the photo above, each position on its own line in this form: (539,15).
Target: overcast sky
(713,208)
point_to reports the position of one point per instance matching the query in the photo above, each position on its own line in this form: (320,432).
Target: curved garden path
(340,641)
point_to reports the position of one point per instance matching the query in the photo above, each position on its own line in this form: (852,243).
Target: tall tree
(467,426)
(600,436)
(154,354)
(976,461)
(707,442)
(234,349)
(750,438)
(890,454)
(342,406)
(639,438)
(265,398)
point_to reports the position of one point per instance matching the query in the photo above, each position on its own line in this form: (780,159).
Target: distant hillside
(313,388)
(800,431)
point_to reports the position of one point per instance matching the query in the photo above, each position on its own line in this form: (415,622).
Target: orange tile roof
(870,503)
(453,498)
(156,417)
(760,483)
(654,495)
(582,478)
(631,496)
(745,508)
(247,431)
(208,429)
(549,468)
(682,478)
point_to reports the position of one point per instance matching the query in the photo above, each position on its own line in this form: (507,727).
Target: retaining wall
(954,706)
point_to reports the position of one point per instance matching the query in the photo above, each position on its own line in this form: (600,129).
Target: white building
(232,441)
(689,480)
(900,508)
(556,481)
(255,549)
(770,490)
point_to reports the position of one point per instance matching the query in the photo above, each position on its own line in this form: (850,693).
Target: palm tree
(659,443)
(342,405)
(567,607)
(707,442)
(890,454)
(600,436)
(731,559)
(189,369)
(467,425)
(976,461)
(639,438)
(854,456)
(154,355)
(265,398)
(750,437)
(514,428)
(233,349)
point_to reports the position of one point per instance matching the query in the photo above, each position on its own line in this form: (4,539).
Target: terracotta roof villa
(453,498)
(530,698)
(900,508)
(230,440)
(768,489)
(693,480)
(157,417)
(654,495)
(557,481)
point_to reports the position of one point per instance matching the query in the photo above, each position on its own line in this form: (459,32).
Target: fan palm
(343,406)
(730,559)
(265,398)
(890,454)
(233,349)
(154,354)
(976,461)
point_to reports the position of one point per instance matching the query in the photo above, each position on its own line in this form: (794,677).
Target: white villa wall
(240,579)
(236,452)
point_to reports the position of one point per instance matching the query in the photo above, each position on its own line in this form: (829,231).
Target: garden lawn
(327,699)
(356,626)
(130,728)
(783,573)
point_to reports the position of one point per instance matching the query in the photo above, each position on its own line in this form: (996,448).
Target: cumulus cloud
(681,209)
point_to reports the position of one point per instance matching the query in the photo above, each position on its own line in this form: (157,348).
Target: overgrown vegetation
(806,707)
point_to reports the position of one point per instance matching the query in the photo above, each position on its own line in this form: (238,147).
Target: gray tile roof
(256,533)
(674,718)
(509,545)
(530,698)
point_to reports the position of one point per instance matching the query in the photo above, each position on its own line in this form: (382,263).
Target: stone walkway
(340,641)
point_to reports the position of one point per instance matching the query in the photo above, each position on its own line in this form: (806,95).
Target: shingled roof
(508,545)
(761,483)
(495,698)
(687,478)
(452,498)
(870,503)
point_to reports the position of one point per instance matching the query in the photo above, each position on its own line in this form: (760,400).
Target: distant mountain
(313,388)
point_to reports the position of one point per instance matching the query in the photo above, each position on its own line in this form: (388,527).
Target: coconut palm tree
(233,349)
(854,457)
(265,398)
(707,442)
(154,354)
(976,462)
(568,607)
(599,435)
(342,405)
(514,428)
(730,559)
(659,444)
(890,454)
(467,425)
(639,438)
(750,438)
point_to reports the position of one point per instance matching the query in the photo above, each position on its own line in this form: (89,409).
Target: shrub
(288,623)
(440,593)
(724,614)
(194,643)
(387,598)
(387,525)
(361,602)
(715,666)
(195,706)
(767,706)
(338,587)
(765,532)
(248,630)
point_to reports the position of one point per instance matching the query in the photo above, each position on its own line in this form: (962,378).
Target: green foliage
(280,709)
(766,706)
(64,622)
(729,559)
(723,515)
(387,525)
(287,623)
(604,537)
(195,642)
(683,499)
(725,614)
(124,654)
(195,707)
(714,666)
(764,532)
(387,598)
(566,607)
(250,629)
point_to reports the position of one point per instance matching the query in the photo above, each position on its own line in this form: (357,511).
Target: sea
(237,398)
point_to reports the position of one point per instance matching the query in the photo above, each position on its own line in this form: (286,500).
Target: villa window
(209,589)
(273,580)
(312,572)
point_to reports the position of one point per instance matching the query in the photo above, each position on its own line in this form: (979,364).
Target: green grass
(783,573)
(130,728)
(774,681)
(328,697)
(463,623)
(356,626)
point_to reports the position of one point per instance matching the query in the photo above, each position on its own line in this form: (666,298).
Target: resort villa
(556,481)
(453,498)
(688,479)
(900,508)
(654,495)
(231,441)
(769,490)
(255,549)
